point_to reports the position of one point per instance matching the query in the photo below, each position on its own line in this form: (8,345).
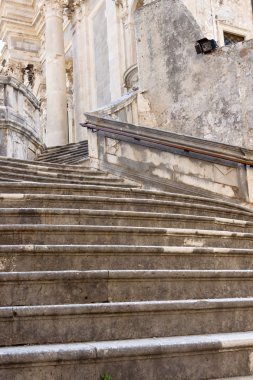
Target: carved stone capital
(52,7)
(13,69)
(74,9)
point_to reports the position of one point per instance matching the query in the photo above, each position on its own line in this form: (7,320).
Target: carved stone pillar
(76,14)
(57,120)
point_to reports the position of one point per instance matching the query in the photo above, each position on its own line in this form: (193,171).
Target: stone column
(76,13)
(57,119)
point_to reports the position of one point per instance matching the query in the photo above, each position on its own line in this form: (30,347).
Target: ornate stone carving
(29,76)
(52,6)
(13,69)
(73,9)
(131,78)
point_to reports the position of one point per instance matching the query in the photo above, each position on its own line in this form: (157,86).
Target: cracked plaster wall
(204,96)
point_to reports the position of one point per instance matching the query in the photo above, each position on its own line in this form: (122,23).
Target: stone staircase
(99,276)
(70,154)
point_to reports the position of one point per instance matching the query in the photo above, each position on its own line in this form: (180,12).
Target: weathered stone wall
(205,96)
(216,16)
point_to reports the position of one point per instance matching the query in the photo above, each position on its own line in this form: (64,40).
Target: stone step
(60,151)
(22,258)
(119,218)
(82,150)
(124,204)
(28,173)
(64,148)
(80,287)
(115,235)
(39,166)
(60,178)
(170,358)
(117,321)
(36,163)
(119,192)
(64,156)
(237,378)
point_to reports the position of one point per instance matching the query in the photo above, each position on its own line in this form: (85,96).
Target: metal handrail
(157,141)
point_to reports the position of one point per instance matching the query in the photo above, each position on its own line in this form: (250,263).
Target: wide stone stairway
(101,279)
(72,154)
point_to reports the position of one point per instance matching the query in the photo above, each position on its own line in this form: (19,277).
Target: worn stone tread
(114,217)
(49,287)
(119,191)
(125,307)
(124,274)
(32,168)
(90,234)
(32,162)
(103,321)
(90,257)
(126,348)
(67,153)
(55,175)
(60,178)
(103,203)
(62,154)
(237,378)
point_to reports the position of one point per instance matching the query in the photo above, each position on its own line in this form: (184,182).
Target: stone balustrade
(168,161)
(130,108)
(19,120)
